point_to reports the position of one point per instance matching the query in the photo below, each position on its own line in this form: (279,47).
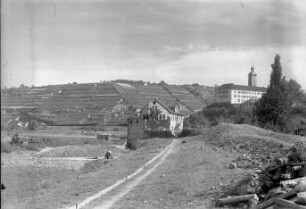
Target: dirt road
(125,185)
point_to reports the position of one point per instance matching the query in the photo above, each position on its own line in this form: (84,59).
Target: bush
(197,120)
(161,134)
(6,147)
(190,132)
(134,144)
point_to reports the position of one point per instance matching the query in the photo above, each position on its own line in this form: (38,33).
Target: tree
(274,108)
(270,109)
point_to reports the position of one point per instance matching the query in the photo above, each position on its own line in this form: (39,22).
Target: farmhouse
(237,94)
(156,116)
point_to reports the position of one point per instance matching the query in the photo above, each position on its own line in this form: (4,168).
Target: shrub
(190,132)
(134,144)
(161,134)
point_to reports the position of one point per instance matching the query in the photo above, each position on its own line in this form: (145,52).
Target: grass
(6,147)
(38,186)
(33,147)
(184,180)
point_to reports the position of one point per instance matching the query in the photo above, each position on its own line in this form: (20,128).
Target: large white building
(237,94)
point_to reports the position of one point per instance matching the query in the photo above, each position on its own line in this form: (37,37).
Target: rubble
(281,184)
(94,166)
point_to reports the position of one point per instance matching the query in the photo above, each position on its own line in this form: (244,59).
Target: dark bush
(134,144)
(161,134)
(190,132)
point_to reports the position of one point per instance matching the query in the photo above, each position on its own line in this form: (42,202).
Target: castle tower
(252,81)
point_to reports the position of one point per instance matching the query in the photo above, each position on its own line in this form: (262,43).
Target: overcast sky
(179,41)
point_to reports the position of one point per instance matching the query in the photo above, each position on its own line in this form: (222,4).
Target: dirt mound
(254,143)
(94,165)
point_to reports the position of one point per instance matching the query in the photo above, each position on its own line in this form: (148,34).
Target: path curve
(143,172)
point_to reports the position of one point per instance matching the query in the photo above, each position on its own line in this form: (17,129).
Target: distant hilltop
(108,102)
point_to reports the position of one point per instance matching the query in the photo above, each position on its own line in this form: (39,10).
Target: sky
(178,41)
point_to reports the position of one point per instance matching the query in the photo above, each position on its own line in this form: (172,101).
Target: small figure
(108,155)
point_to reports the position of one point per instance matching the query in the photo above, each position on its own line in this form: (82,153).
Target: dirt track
(126,184)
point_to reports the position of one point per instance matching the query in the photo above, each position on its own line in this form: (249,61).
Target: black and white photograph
(153,104)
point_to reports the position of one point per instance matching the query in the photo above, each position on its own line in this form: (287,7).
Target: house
(156,117)
(160,117)
(238,94)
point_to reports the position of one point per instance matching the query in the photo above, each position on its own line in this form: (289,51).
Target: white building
(237,94)
(159,116)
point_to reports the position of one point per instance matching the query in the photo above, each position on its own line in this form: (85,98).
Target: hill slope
(92,102)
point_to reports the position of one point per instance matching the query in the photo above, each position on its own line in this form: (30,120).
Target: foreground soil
(191,177)
(198,171)
(35,180)
(195,173)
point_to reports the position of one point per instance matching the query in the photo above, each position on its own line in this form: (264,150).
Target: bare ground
(55,184)
(192,176)
(189,178)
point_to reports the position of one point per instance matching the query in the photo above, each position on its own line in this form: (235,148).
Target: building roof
(164,106)
(231,86)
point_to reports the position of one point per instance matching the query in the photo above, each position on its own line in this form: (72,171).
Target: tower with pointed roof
(252,81)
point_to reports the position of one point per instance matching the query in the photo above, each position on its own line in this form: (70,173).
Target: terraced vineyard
(97,102)
(204,93)
(187,99)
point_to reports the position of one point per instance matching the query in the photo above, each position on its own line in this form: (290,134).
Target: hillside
(89,103)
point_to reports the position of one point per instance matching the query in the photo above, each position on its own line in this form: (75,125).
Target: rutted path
(125,185)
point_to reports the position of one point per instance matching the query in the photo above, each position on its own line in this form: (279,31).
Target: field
(61,174)
(192,176)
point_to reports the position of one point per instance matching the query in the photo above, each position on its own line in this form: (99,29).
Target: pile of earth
(95,165)
(257,146)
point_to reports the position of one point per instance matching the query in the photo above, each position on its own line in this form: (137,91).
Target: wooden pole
(288,204)
(298,188)
(236,199)
(301,198)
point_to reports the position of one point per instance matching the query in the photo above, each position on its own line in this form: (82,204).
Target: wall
(135,128)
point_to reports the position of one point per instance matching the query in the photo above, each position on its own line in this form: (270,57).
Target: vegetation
(281,103)
(218,112)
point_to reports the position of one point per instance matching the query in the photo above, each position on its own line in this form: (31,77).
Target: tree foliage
(275,106)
